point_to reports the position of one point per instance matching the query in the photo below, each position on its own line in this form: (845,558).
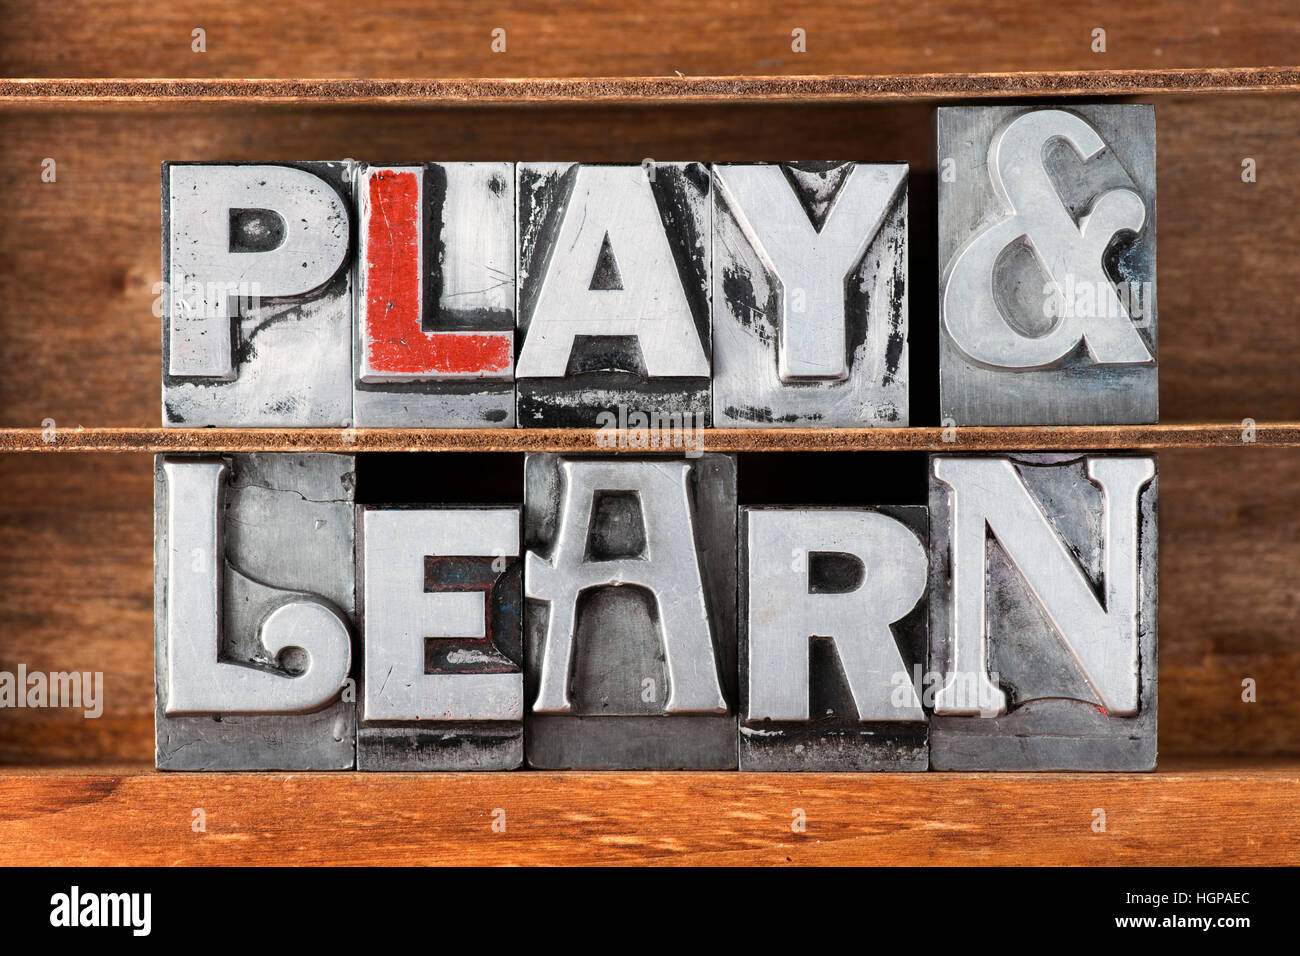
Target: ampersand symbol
(1070,253)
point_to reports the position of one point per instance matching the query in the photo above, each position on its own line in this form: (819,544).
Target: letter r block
(254,595)
(1047,257)
(1043,612)
(630,638)
(833,625)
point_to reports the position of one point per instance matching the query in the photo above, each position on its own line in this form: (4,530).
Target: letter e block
(442,604)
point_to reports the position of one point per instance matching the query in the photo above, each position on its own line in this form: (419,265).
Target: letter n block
(1043,612)
(629,635)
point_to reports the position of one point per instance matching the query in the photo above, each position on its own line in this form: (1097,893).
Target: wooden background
(79,345)
(452,38)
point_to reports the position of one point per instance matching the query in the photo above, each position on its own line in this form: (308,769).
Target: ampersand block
(442,607)
(1047,255)
(613,311)
(1043,612)
(810,294)
(254,607)
(630,636)
(257,303)
(436,296)
(833,638)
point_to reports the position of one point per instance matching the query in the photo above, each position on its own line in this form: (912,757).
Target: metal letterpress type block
(833,638)
(629,633)
(441,609)
(257,310)
(1043,612)
(613,294)
(254,593)
(1047,256)
(435,296)
(810,294)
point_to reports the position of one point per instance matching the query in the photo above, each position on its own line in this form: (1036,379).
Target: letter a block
(1047,252)
(254,592)
(629,635)
(436,296)
(257,314)
(1043,612)
(442,606)
(810,294)
(613,292)
(833,639)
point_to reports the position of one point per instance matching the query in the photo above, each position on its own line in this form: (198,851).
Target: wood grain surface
(57,93)
(1207,814)
(76,585)
(634,441)
(546,38)
(79,343)
(79,346)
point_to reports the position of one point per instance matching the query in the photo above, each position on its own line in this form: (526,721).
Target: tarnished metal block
(810,294)
(435,296)
(442,602)
(833,638)
(1047,251)
(613,313)
(257,313)
(629,634)
(254,593)
(1043,612)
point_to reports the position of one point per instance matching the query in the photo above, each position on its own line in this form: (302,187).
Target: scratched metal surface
(1054,719)
(293,356)
(747,314)
(1075,391)
(288,528)
(618,645)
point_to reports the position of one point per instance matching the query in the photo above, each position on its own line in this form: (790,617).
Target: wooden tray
(80,349)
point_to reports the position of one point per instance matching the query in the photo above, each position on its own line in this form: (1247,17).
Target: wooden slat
(971,438)
(550,38)
(1203,814)
(27,93)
